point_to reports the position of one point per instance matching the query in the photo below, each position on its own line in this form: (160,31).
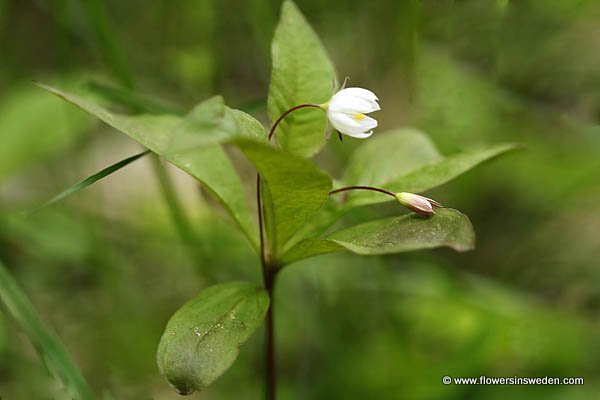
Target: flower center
(359,116)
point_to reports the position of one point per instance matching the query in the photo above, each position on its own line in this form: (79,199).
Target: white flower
(417,203)
(346,111)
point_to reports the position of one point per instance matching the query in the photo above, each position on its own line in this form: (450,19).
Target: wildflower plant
(297,202)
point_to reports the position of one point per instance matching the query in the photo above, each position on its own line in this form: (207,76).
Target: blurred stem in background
(179,217)
(107,41)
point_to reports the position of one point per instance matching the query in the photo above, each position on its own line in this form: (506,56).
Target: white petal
(354,100)
(359,135)
(351,126)
(367,123)
(359,92)
(352,105)
(343,122)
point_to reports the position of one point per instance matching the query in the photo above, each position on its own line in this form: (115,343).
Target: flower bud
(346,111)
(419,204)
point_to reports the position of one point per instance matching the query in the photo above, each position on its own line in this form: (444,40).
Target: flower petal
(351,105)
(357,135)
(359,92)
(354,100)
(351,126)
(367,123)
(343,122)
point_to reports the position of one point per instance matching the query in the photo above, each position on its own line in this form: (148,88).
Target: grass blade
(82,184)
(47,344)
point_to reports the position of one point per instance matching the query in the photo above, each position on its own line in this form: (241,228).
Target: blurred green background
(106,268)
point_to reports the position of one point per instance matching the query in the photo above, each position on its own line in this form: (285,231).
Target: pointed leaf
(209,122)
(248,126)
(152,131)
(294,189)
(389,155)
(302,73)
(431,175)
(131,100)
(410,232)
(202,339)
(386,156)
(199,154)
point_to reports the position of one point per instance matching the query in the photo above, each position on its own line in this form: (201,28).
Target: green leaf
(202,339)
(248,126)
(389,155)
(293,188)
(431,175)
(199,152)
(410,232)
(214,170)
(90,180)
(152,131)
(131,100)
(302,73)
(208,123)
(49,347)
(34,126)
(380,159)
(402,160)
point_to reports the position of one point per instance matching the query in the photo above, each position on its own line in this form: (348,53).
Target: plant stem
(285,114)
(374,189)
(258,194)
(261,234)
(270,356)
(269,271)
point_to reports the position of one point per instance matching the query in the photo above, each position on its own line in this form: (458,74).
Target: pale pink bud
(417,203)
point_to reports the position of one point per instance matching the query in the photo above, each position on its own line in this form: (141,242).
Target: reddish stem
(269,275)
(285,114)
(374,189)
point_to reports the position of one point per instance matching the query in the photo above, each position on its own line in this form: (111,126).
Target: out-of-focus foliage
(48,345)
(107,268)
(24,113)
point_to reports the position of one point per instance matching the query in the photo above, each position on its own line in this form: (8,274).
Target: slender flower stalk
(285,114)
(371,188)
(417,203)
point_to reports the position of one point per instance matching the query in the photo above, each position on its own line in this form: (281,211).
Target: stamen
(346,80)
(359,116)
